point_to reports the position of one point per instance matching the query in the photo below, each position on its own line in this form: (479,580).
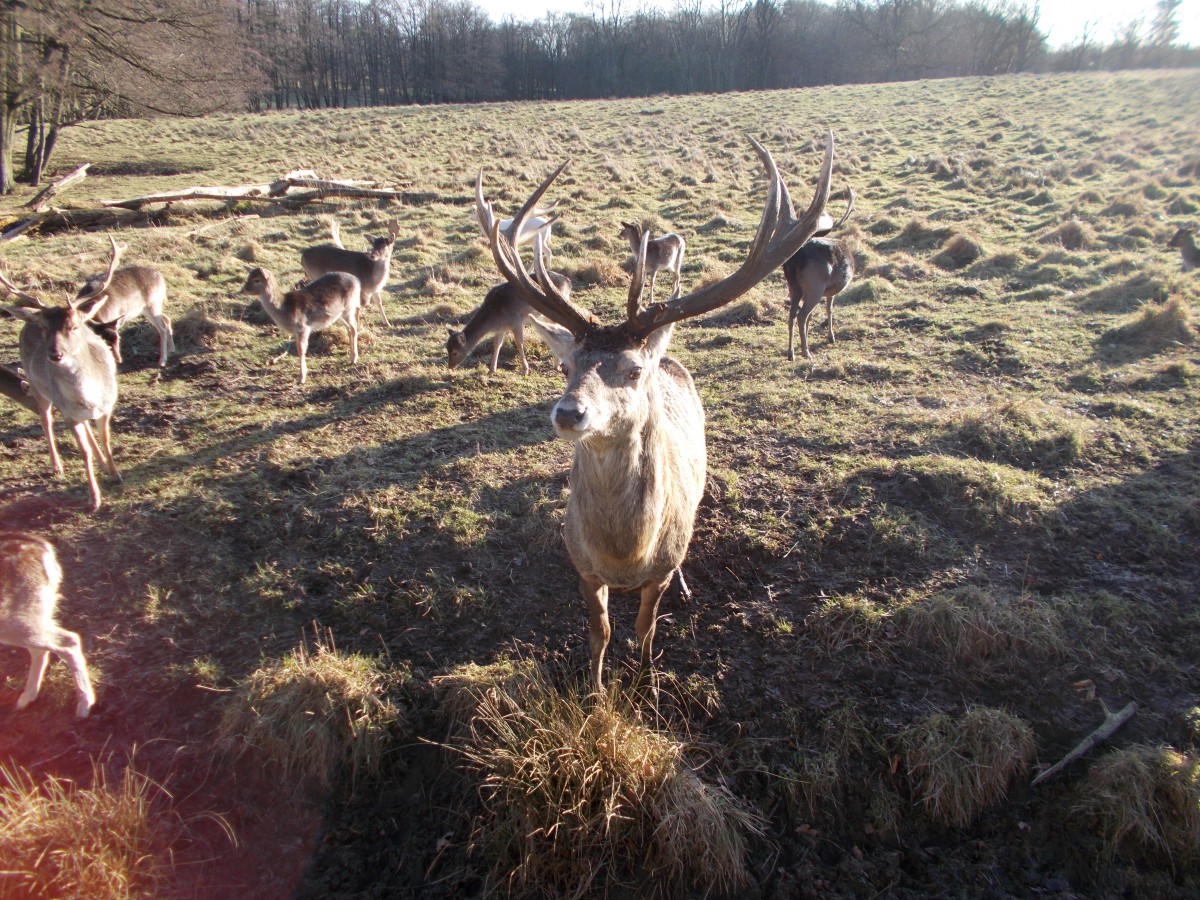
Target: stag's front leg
(86,440)
(647,622)
(595,594)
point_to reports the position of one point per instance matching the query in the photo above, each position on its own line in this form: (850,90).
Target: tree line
(65,61)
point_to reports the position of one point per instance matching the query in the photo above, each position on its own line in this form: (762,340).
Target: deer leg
(166,335)
(519,340)
(47,417)
(647,623)
(352,327)
(105,446)
(794,301)
(497,343)
(595,595)
(813,290)
(39,658)
(302,336)
(675,286)
(85,439)
(382,311)
(829,312)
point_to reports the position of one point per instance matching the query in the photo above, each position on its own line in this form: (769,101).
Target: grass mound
(1021,433)
(1158,325)
(958,766)
(959,250)
(984,495)
(313,714)
(1145,803)
(58,840)
(579,796)
(1072,234)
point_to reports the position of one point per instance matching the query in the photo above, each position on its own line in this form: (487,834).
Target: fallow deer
(1184,242)
(133,290)
(633,412)
(370,268)
(71,369)
(502,312)
(823,267)
(313,307)
(16,389)
(662,253)
(30,576)
(540,223)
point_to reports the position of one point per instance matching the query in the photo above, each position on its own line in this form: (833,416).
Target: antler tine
(637,282)
(545,299)
(849,207)
(26,299)
(779,235)
(117,250)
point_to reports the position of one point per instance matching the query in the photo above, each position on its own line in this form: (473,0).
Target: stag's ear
(656,342)
(562,342)
(25,314)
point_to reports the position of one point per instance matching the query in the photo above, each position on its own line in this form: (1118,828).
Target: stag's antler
(95,292)
(23,298)
(849,207)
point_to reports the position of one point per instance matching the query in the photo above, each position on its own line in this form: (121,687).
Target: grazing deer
(132,290)
(821,268)
(1183,241)
(16,388)
(71,369)
(370,268)
(633,412)
(313,307)
(502,312)
(663,253)
(29,580)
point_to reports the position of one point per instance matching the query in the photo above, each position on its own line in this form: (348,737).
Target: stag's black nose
(568,416)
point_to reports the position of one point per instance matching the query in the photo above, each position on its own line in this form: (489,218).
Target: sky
(1062,20)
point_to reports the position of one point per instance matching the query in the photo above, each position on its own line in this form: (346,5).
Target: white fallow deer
(1184,242)
(133,290)
(662,253)
(540,224)
(502,312)
(313,307)
(823,267)
(633,412)
(70,368)
(371,268)
(29,580)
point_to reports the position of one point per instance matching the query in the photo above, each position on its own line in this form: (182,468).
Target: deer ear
(25,314)
(656,342)
(562,342)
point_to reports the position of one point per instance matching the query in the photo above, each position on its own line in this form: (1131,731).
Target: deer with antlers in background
(70,368)
(823,267)
(633,412)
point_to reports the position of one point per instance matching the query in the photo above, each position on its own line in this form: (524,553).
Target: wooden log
(1105,730)
(42,200)
(245,191)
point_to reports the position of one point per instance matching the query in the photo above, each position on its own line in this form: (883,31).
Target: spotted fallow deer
(663,254)
(823,267)
(29,580)
(134,290)
(1184,242)
(69,368)
(633,412)
(370,268)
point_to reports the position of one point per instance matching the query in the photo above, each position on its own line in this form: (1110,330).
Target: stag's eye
(634,374)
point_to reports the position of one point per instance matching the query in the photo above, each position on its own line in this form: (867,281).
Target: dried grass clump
(960,250)
(815,781)
(1158,325)
(313,715)
(599,273)
(920,234)
(579,796)
(971,626)
(1022,433)
(198,327)
(1145,803)
(59,840)
(958,766)
(1073,234)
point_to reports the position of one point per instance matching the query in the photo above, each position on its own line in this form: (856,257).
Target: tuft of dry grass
(1022,433)
(959,250)
(1158,325)
(577,795)
(958,766)
(1145,803)
(314,714)
(60,840)
(1073,234)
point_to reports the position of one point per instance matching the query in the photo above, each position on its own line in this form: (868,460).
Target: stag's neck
(272,302)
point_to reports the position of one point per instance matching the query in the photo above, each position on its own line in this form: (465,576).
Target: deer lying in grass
(313,307)
(1184,242)
(502,312)
(633,412)
(29,580)
(70,368)
(370,268)
(662,254)
(821,268)
(133,290)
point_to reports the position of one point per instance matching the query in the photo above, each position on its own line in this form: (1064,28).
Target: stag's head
(381,247)
(64,328)
(613,371)
(1182,237)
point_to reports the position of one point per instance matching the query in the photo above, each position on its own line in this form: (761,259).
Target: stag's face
(456,349)
(64,327)
(381,248)
(1182,237)
(608,393)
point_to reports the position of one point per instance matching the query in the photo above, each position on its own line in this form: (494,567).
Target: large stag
(634,413)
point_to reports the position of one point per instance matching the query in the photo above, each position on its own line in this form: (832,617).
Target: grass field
(338,645)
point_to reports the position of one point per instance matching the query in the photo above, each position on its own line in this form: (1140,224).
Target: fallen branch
(1106,729)
(25,225)
(40,202)
(218,224)
(245,191)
